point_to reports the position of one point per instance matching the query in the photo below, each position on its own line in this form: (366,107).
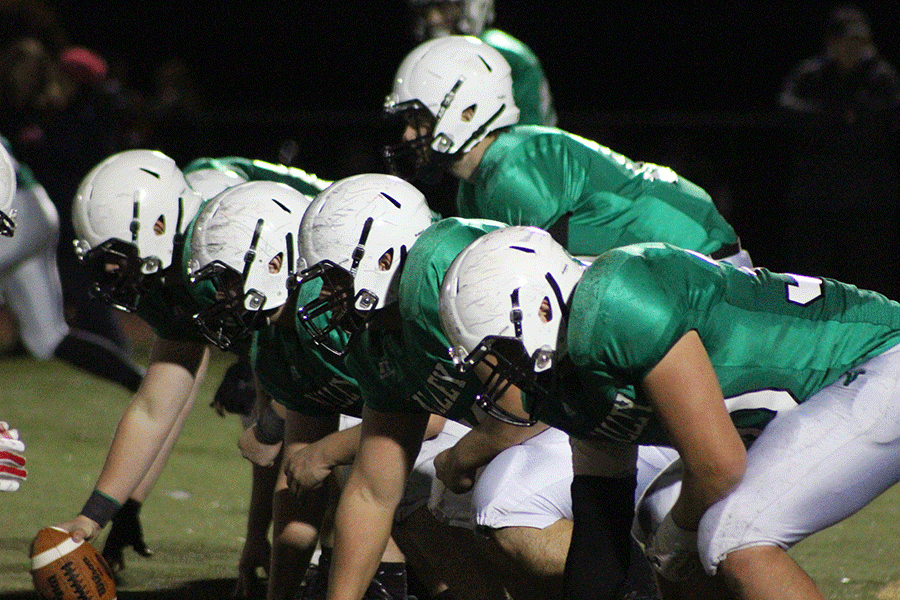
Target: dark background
(598,55)
(692,85)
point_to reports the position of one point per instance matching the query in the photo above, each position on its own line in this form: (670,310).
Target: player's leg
(448,558)
(523,501)
(34,294)
(296,522)
(812,466)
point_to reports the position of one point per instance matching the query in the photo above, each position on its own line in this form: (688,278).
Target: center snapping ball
(63,569)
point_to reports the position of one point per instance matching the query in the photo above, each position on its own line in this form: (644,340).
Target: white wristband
(672,551)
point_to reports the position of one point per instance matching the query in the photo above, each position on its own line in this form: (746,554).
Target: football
(62,569)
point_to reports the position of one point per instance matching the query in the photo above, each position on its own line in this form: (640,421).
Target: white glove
(12,461)
(672,551)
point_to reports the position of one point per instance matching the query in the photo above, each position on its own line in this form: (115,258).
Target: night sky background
(329,54)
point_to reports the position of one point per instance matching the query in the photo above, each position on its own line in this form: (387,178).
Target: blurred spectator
(61,120)
(842,110)
(172,110)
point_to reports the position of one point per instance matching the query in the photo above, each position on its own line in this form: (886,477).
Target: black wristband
(100,508)
(269,427)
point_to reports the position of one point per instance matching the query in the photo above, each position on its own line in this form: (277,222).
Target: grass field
(195,517)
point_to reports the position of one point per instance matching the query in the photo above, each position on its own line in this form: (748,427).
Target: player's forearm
(700,492)
(138,440)
(485,441)
(362,529)
(338,448)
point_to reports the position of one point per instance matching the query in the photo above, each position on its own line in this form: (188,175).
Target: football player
(311,390)
(7,192)
(456,94)
(652,344)
(440,18)
(132,213)
(29,283)
(379,261)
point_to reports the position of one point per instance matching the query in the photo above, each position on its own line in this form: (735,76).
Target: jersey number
(804,289)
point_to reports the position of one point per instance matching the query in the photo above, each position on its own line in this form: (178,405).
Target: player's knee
(727,530)
(740,567)
(296,534)
(539,551)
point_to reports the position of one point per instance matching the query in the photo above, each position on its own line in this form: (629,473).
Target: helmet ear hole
(159,227)
(275,263)
(546,310)
(469,113)
(386,260)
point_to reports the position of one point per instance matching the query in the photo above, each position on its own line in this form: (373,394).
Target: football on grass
(63,569)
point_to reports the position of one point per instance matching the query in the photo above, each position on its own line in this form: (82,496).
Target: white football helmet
(130,213)
(463,17)
(211,182)
(355,237)
(453,91)
(504,299)
(245,243)
(7,192)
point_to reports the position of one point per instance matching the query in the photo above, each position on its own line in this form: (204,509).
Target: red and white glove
(12,459)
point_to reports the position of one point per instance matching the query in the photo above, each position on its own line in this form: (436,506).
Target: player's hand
(457,479)
(305,469)
(81,528)
(12,459)
(672,551)
(255,557)
(255,451)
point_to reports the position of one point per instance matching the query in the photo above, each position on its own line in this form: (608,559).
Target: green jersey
(531,91)
(774,339)
(411,370)
(295,374)
(538,176)
(258,170)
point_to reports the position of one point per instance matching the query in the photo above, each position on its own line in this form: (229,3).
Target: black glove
(237,392)
(126,531)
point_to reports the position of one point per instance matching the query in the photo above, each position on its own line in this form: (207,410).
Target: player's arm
(389,444)
(687,397)
(148,422)
(457,466)
(261,442)
(308,465)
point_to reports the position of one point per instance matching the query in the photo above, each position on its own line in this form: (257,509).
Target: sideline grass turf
(195,517)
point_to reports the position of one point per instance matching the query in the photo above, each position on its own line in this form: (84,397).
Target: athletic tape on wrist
(100,508)
(269,427)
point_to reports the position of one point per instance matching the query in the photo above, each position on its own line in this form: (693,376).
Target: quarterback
(440,18)
(456,94)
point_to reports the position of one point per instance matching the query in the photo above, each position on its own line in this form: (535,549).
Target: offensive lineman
(150,281)
(652,344)
(380,279)
(312,388)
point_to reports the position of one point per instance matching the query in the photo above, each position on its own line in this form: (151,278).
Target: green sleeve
(259,170)
(531,90)
(533,183)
